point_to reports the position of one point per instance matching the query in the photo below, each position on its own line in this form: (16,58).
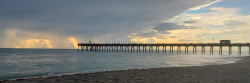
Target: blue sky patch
(244,6)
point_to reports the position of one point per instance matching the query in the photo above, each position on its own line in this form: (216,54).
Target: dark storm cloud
(189,22)
(173,26)
(2,36)
(146,34)
(116,18)
(168,26)
(152,34)
(82,16)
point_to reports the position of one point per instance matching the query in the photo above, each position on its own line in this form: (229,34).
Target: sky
(64,23)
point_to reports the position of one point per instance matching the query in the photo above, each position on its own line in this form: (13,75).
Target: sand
(228,73)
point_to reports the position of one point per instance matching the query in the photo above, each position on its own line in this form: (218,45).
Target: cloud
(33,43)
(220,23)
(173,37)
(168,26)
(146,34)
(189,22)
(173,26)
(143,40)
(73,42)
(232,23)
(60,19)
(202,6)
(151,33)
(185,40)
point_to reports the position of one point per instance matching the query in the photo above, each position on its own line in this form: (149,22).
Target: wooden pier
(130,47)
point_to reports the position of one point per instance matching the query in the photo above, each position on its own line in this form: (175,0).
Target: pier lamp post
(90,37)
(213,40)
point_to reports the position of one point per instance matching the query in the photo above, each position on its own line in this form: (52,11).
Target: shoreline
(157,75)
(243,59)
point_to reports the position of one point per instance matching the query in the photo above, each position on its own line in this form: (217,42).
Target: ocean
(29,63)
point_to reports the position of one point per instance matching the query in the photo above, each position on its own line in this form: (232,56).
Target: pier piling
(239,50)
(220,50)
(230,50)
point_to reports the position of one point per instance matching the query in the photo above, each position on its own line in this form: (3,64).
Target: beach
(238,72)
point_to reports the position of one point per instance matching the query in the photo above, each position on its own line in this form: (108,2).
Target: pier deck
(125,47)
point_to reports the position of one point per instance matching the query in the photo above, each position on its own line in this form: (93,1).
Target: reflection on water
(23,63)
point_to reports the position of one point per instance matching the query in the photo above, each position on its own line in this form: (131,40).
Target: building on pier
(225,41)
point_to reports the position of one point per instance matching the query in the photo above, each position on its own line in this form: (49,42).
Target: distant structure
(225,41)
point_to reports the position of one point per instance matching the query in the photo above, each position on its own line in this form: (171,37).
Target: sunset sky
(64,23)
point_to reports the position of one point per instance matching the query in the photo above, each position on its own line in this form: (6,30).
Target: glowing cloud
(72,41)
(33,43)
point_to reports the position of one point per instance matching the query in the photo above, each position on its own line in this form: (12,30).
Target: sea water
(28,63)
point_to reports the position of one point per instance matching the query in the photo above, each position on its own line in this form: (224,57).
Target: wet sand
(228,73)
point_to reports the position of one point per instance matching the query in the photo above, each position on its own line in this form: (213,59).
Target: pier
(130,47)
